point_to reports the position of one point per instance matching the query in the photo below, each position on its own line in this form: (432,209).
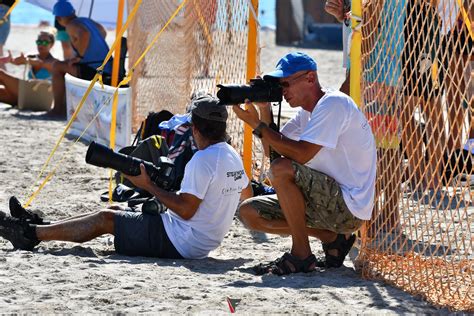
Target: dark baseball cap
(292,63)
(209,108)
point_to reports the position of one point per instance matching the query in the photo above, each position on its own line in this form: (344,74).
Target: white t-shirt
(216,176)
(348,151)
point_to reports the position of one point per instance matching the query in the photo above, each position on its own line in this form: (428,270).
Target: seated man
(325,181)
(198,216)
(88,41)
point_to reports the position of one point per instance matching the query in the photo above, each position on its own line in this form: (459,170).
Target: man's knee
(281,168)
(105,216)
(247,214)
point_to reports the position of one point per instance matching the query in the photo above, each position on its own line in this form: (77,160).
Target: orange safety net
(418,94)
(205,45)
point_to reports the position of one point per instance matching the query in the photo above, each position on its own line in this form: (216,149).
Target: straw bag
(35,94)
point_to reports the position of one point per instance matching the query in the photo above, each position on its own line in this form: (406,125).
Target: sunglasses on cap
(42,42)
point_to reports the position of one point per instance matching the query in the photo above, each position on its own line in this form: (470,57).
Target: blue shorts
(138,234)
(4,24)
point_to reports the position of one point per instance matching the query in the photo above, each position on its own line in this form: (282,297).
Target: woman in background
(40,68)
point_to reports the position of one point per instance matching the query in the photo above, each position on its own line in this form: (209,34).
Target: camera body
(162,174)
(259,90)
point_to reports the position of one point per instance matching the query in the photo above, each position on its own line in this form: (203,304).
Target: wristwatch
(258,130)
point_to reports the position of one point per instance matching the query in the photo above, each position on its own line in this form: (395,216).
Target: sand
(62,277)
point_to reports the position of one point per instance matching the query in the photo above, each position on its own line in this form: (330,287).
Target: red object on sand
(232,303)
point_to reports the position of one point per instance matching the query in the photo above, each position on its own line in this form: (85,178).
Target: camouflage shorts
(325,206)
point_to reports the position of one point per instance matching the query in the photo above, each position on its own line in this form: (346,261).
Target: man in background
(88,41)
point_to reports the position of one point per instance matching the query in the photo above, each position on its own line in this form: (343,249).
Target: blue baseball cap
(63,8)
(292,63)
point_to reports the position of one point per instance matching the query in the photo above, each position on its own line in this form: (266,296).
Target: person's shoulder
(75,24)
(331,97)
(219,150)
(336,101)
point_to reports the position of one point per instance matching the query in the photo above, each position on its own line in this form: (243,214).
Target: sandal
(342,245)
(286,264)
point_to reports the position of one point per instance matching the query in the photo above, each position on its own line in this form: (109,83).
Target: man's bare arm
(265,110)
(102,30)
(299,151)
(79,36)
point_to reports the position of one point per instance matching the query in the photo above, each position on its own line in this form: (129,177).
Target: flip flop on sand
(121,193)
(342,245)
(286,264)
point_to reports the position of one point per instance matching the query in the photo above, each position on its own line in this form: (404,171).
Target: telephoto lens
(102,156)
(258,90)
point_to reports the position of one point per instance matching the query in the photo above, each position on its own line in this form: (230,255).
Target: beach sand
(62,277)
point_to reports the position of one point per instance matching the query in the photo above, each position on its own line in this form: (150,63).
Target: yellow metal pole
(356,69)
(116,64)
(465,17)
(115,80)
(251,73)
(356,45)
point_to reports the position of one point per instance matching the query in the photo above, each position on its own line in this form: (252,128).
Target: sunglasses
(286,84)
(42,42)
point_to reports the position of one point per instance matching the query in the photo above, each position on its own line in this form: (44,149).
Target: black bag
(459,161)
(150,126)
(150,149)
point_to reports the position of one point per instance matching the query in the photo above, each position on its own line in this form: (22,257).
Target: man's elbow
(187,213)
(306,152)
(186,216)
(302,159)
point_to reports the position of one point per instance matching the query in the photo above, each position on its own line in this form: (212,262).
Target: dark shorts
(138,234)
(86,72)
(325,205)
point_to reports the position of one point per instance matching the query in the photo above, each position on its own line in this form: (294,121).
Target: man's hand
(36,62)
(141,181)
(248,115)
(20,60)
(335,8)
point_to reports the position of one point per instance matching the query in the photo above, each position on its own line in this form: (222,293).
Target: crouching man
(325,181)
(198,216)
